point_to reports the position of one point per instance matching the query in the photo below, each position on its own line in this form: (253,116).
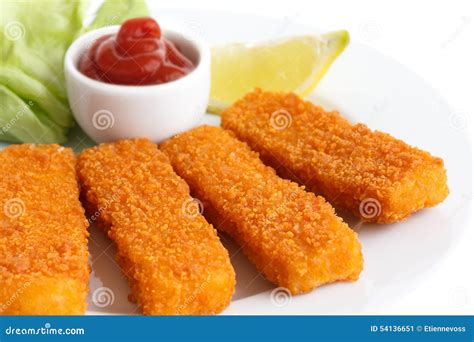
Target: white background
(436,40)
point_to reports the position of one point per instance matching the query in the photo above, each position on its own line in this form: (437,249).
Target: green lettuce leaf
(34,36)
(114,12)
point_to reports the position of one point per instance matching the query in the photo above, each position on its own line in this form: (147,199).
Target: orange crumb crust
(349,165)
(173,258)
(292,236)
(43,233)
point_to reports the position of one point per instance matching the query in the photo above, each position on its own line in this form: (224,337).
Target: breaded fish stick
(43,233)
(375,176)
(293,237)
(172,257)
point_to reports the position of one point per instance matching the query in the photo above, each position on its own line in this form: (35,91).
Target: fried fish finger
(370,173)
(43,233)
(292,236)
(172,257)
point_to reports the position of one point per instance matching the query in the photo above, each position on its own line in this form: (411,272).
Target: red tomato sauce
(137,55)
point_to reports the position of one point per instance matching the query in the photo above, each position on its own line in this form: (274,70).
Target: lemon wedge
(294,64)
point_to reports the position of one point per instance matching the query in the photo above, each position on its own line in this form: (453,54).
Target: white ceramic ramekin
(108,112)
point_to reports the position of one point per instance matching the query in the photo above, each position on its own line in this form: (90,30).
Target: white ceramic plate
(366,87)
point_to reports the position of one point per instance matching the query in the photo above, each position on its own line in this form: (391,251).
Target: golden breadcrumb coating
(172,257)
(43,233)
(375,176)
(292,236)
